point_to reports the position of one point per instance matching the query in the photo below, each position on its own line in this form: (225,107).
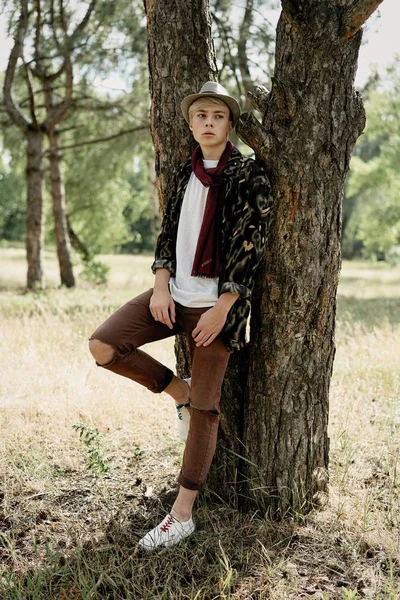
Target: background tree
(44,59)
(113,116)
(12,188)
(244,41)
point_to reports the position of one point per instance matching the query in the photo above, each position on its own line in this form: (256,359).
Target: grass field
(88,460)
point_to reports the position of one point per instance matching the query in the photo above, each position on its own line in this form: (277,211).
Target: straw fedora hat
(213,90)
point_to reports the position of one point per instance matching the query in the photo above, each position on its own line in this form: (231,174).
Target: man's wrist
(226,301)
(161,286)
(161,280)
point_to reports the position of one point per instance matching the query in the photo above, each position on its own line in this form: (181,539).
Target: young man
(211,242)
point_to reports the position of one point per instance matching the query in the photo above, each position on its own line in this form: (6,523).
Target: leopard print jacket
(246,219)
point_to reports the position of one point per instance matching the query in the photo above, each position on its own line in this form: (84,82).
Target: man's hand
(162,307)
(212,321)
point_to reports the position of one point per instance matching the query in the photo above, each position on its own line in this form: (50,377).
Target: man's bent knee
(101,352)
(210,411)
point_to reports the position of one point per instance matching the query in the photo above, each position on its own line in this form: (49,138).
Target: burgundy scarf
(207,257)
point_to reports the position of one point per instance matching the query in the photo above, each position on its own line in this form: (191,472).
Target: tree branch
(81,26)
(62,16)
(38,25)
(252,133)
(232,60)
(258,96)
(57,113)
(106,138)
(31,95)
(37,72)
(70,128)
(16,52)
(77,243)
(244,34)
(356,15)
(53,24)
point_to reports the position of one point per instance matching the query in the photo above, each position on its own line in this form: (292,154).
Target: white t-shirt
(191,291)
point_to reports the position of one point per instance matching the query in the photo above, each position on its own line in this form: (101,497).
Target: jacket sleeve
(249,232)
(165,252)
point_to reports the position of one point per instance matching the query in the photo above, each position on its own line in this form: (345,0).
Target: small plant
(138,453)
(348,594)
(92,438)
(95,271)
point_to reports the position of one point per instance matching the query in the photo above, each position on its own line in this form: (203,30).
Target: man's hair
(207,100)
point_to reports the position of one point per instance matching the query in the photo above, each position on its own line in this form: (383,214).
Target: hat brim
(230,102)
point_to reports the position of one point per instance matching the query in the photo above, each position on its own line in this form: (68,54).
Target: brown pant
(130,327)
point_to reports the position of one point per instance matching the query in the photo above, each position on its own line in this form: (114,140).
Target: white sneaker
(168,533)
(183,417)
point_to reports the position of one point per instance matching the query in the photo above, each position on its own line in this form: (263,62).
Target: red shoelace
(167,525)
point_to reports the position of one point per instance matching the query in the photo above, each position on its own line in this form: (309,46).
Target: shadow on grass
(231,555)
(368,312)
(210,564)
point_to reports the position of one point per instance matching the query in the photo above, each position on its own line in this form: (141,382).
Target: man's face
(210,124)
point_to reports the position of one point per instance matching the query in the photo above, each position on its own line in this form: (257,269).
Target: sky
(381,40)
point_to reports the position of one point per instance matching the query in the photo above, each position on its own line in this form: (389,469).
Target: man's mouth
(208,133)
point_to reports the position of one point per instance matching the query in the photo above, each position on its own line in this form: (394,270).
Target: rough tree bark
(181,58)
(58,195)
(59,213)
(155,222)
(34,145)
(34,209)
(311,120)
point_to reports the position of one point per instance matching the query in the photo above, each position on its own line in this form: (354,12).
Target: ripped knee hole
(103,353)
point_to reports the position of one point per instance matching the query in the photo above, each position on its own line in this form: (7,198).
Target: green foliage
(12,195)
(107,203)
(96,459)
(110,97)
(96,272)
(138,453)
(348,594)
(372,204)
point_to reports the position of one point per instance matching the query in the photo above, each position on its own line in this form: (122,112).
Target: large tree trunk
(181,59)
(59,213)
(34,212)
(311,120)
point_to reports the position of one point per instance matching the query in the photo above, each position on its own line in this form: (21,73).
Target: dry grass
(67,533)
